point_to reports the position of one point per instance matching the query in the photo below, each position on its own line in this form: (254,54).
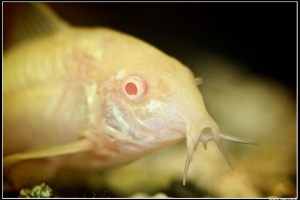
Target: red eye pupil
(131,89)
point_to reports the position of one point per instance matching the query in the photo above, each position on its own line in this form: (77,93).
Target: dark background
(261,36)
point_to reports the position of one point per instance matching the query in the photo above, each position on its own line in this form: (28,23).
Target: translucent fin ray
(50,151)
(36,20)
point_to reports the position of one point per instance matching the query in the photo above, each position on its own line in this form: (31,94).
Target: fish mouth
(205,134)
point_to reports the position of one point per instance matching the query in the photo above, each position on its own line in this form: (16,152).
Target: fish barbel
(94,98)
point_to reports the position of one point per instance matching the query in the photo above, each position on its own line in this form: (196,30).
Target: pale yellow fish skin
(107,96)
(55,89)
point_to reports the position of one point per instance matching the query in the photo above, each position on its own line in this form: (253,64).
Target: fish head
(153,99)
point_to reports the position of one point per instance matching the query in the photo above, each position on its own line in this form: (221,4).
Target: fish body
(95,98)
(73,89)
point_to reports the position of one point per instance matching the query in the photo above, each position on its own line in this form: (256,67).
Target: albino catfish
(94,98)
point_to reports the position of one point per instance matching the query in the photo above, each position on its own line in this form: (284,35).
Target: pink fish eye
(131,88)
(135,87)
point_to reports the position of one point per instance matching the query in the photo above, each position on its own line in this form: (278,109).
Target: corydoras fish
(94,98)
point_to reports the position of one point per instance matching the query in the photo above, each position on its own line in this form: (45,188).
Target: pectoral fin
(50,151)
